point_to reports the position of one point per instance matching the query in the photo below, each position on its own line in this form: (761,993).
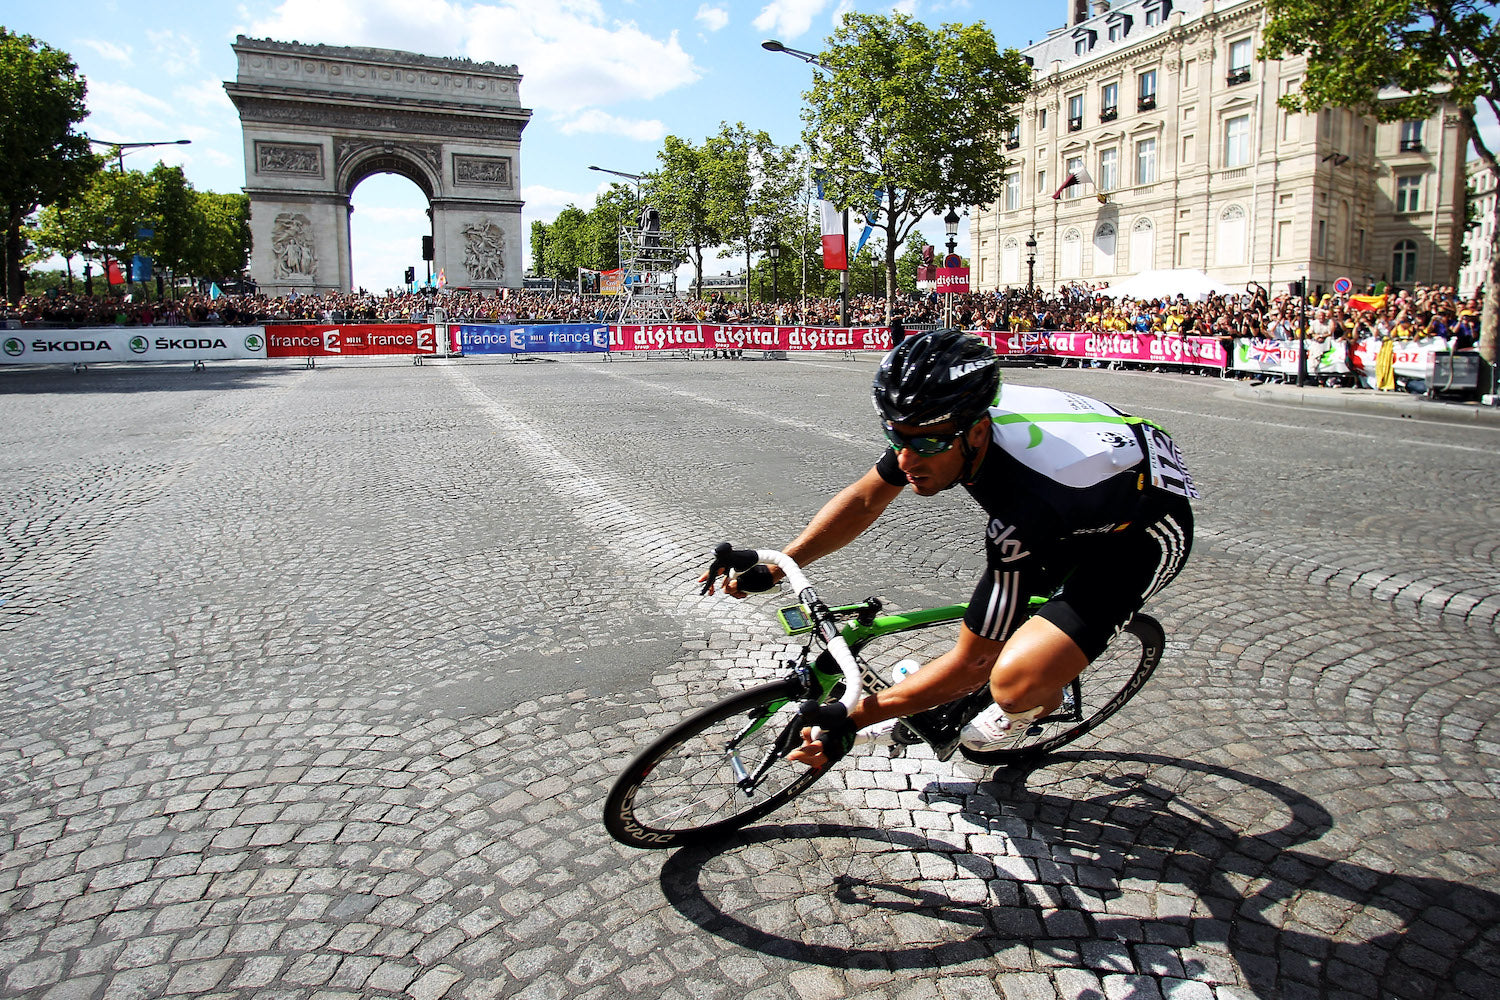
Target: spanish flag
(1367,303)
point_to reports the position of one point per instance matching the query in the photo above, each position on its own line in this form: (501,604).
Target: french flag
(835,243)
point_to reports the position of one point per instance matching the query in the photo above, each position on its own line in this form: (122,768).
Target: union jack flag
(1032,343)
(1265,353)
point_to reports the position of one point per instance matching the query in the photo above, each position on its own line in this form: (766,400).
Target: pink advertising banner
(705,336)
(1150,348)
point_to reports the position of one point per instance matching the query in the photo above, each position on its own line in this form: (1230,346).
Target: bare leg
(1038,661)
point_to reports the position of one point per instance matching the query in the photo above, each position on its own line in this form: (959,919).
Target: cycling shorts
(1111,579)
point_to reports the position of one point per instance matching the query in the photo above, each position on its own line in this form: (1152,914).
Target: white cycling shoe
(989,730)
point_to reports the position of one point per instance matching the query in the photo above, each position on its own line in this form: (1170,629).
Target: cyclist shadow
(1105,861)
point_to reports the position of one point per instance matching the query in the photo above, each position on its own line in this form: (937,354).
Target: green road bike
(725,766)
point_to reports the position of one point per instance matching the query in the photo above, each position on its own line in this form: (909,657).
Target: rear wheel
(1102,690)
(713,772)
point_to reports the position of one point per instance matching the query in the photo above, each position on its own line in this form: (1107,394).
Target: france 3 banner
(555,338)
(1153,349)
(148,343)
(706,336)
(354,340)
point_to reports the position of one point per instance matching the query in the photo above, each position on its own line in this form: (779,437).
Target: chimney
(1078,12)
(1101,7)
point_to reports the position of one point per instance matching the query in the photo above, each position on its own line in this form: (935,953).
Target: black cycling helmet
(936,377)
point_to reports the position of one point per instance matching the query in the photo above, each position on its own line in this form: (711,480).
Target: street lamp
(950,223)
(121,147)
(620,173)
(812,58)
(774,252)
(1031,265)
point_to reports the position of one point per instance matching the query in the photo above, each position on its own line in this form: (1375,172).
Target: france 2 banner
(354,340)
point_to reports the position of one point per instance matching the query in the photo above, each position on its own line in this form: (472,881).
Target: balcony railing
(1074,124)
(1012,143)
(1109,114)
(1238,76)
(1146,103)
(1411,145)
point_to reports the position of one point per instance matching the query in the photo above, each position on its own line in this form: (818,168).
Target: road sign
(1342,286)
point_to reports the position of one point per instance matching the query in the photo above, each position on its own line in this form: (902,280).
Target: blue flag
(213,290)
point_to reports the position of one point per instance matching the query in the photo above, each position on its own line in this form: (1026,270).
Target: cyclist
(1080,498)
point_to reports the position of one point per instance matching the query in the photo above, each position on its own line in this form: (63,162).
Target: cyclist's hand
(755,580)
(829,748)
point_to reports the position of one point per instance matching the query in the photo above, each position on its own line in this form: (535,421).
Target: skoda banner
(556,338)
(146,343)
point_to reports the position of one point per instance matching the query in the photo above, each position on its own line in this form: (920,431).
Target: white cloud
(110,50)
(592,120)
(120,110)
(175,52)
(570,54)
(543,203)
(712,18)
(204,97)
(789,18)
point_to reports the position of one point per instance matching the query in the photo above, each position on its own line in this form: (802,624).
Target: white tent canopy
(1188,282)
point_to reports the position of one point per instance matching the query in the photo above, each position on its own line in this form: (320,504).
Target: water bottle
(904,669)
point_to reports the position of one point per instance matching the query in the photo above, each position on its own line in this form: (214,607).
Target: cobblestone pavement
(315,680)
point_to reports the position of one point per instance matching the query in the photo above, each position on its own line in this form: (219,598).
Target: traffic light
(411,275)
(1296,288)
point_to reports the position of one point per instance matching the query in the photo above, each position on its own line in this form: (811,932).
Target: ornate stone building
(319,119)
(1164,104)
(1477,240)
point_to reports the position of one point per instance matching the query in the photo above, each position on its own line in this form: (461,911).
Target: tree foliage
(1395,60)
(680,191)
(915,113)
(752,187)
(42,160)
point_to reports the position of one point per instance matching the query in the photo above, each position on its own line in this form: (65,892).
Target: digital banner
(145,343)
(1139,348)
(556,338)
(707,336)
(354,340)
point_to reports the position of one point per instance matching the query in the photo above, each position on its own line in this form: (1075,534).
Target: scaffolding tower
(647,255)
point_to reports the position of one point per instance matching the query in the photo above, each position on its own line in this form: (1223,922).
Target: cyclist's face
(931,474)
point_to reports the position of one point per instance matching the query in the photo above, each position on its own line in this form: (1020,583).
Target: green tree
(42,160)
(62,232)
(1430,51)
(222,241)
(752,187)
(917,114)
(680,191)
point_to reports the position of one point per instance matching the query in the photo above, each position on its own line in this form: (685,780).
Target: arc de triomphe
(318,119)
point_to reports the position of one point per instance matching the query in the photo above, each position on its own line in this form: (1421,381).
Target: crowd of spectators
(1398,314)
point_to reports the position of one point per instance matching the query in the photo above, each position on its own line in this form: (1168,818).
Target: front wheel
(1100,691)
(712,773)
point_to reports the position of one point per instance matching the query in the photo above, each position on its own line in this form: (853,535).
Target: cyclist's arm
(843,518)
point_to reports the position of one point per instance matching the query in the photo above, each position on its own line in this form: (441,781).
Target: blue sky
(606,81)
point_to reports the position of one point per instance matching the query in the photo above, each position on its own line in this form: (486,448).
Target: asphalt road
(314,680)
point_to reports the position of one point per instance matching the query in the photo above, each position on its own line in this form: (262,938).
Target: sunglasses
(922,444)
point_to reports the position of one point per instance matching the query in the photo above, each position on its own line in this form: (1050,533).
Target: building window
(1109,102)
(1411,136)
(1239,62)
(1153,16)
(1012,191)
(1041,120)
(1109,169)
(1142,245)
(1041,182)
(1404,262)
(1075,112)
(1104,249)
(1072,254)
(1146,90)
(1013,137)
(1409,193)
(1116,31)
(1145,161)
(1074,166)
(1230,243)
(1237,141)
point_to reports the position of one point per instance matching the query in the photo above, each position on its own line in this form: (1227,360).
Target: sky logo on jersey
(998,534)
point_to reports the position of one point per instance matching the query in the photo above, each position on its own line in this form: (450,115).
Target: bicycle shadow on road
(1119,863)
